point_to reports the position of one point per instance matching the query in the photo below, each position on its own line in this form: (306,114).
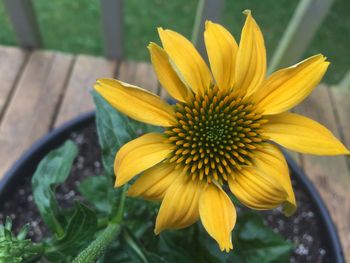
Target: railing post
(206,10)
(301,29)
(112,20)
(24,22)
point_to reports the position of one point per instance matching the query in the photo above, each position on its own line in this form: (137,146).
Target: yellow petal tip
(289,209)
(157,231)
(247,12)
(227,247)
(151,44)
(208,23)
(160,30)
(116,184)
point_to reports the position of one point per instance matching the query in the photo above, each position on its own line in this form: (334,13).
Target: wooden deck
(42,89)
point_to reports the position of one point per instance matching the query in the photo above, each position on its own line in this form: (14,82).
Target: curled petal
(271,161)
(256,189)
(301,134)
(138,155)
(218,215)
(179,208)
(135,102)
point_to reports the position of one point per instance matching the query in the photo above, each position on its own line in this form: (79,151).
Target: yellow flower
(221,130)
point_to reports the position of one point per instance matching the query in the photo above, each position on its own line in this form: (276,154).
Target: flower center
(216,134)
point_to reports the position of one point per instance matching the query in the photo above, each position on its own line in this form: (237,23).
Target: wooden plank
(345,82)
(163,93)
(341,98)
(301,29)
(32,107)
(11,62)
(112,20)
(77,99)
(330,175)
(139,74)
(24,22)
(206,10)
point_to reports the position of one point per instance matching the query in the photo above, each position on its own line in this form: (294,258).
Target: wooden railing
(301,29)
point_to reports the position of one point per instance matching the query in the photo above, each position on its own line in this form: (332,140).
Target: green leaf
(256,242)
(99,191)
(52,170)
(79,232)
(113,130)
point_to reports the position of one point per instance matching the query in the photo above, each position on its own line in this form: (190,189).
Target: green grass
(75,26)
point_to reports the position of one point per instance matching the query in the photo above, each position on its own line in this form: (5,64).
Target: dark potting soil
(303,228)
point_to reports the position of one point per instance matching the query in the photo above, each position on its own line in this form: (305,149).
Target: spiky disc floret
(216,134)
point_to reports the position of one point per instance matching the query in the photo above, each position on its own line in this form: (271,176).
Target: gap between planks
(77,98)
(12,61)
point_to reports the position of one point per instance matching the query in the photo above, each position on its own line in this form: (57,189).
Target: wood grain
(77,99)
(32,107)
(341,102)
(329,174)
(11,62)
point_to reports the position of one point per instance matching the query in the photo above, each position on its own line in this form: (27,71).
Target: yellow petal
(301,134)
(166,73)
(179,208)
(222,50)
(135,102)
(186,58)
(154,182)
(271,161)
(138,155)
(251,57)
(256,189)
(218,215)
(287,87)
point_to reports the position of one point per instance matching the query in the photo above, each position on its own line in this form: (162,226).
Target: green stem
(118,218)
(97,248)
(197,21)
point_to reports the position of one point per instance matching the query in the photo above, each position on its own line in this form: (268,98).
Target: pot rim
(57,136)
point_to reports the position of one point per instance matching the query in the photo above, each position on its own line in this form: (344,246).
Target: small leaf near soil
(53,170)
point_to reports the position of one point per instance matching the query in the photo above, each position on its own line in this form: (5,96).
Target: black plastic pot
(27,164)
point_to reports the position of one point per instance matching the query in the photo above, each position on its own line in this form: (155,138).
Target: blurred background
(75,26)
